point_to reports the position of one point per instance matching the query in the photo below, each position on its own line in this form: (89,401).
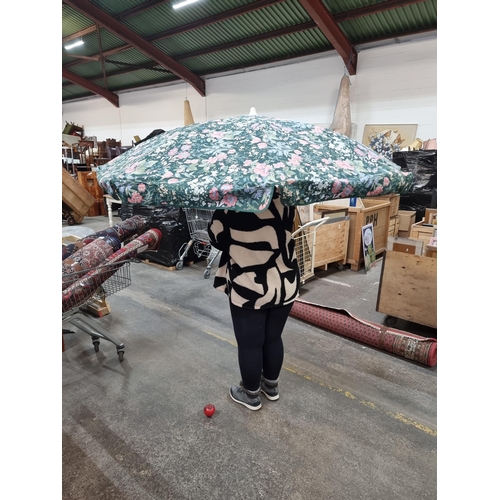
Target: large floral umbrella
(235,163)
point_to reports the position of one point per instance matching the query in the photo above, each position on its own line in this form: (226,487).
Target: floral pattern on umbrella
(235,163)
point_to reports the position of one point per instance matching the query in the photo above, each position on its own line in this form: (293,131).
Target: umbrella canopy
(235,163)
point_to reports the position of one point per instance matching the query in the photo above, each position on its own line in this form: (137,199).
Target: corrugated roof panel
(260,53)
(422,15)
(135,79)
(253,23)
(73,21)
(164,17)
(115,7)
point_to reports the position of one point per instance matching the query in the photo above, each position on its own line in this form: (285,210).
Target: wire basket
(305,248)
(198,221)
(95,283)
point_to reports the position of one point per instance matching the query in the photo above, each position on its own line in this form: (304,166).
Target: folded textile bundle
(420,349)
(122,230)
(80,291)
(91,255)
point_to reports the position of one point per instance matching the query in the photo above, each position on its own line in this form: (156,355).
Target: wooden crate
(75,196)
(369,210)
(394,225)
(332,238)
(421,232)
(430,216)
(406,219)
(408,288)
(88,180)
(394,200)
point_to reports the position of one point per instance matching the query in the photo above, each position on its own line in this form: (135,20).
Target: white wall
(396,84)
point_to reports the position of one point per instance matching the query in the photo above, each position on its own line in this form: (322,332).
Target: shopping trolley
(198,221)
(105,281)
(305,246)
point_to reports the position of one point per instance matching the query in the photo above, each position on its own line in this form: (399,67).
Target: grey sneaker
(250,399)
(270,389)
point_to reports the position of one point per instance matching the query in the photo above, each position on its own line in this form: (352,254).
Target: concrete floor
(352,422)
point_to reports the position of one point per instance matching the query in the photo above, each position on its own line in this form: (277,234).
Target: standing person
(258,271)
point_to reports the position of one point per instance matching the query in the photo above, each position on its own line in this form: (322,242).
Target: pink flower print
(186,147)
(135,198)
(221,156)
(279,165)
(373,154)
(290,181)
(141,187)
(167,174)
(183,155)
(359,152)
(212,160)
(131,168)
(301,141)
(262,145)
(348,190)
(263,206)
(295,160)
(344,164)
(327,161)
(172,180)
(219,134)
(173,152)
(298,152)
(378,190)
(231,151)
(318,130)
(247,163)
(336,186)
(386,181)
(214,194)
(255,140)
(262,169)
(315,146)
(226,188)
(229,200)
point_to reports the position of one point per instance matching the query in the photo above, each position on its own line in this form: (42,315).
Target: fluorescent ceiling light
(74,44)
(182,4)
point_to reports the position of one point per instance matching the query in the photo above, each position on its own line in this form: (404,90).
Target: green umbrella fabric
(235,163)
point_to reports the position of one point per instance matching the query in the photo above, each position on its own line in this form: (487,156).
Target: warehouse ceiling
(133,44)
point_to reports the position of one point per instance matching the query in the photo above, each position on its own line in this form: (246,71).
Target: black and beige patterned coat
(257,267)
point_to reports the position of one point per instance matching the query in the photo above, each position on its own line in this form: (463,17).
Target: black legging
(260,347)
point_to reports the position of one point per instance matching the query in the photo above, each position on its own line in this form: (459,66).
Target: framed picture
(370,257)
(389,138)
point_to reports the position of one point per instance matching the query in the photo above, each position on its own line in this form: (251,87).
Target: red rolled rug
(87,257)
(420,349)
(80,291)
(122,230)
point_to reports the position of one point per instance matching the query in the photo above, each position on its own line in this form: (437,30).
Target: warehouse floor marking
(396,416)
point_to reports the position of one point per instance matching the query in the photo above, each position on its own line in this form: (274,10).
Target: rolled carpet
(420,349)
(122,230)
(91,255)
(80,291)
